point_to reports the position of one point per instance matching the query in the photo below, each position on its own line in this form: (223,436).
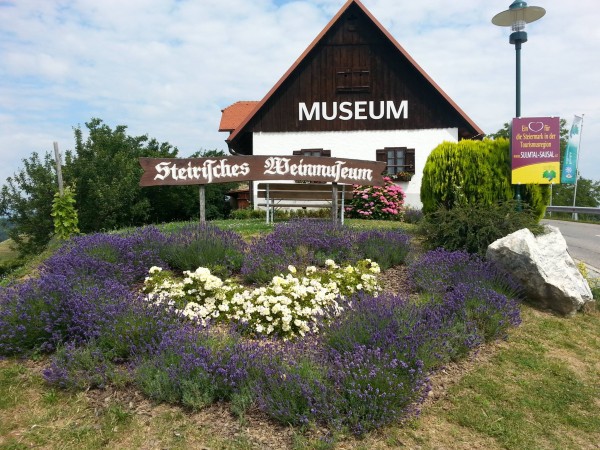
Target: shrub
(286,214)
(247,213)
(375,387)
(83,293)
(377,202)
(473,227)
(486,312)
(593,282)
(31,316)
(65,214)
(475,173)
(413,215)
(124,257)
(358,390)
(366,368)
(412,332)
(291,385)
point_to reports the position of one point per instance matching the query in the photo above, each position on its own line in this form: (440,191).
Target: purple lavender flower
(437,270)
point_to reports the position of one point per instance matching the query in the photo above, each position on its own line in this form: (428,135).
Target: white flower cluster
(288,306)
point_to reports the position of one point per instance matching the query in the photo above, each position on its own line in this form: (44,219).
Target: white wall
(360,145)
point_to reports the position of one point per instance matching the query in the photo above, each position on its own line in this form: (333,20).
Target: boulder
(544,267)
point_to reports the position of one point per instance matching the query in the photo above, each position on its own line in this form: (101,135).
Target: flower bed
(286,307)
(358,360)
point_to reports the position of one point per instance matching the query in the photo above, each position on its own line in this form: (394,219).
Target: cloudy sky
(166,68)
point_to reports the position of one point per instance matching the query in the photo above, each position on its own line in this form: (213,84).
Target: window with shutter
(397,159)
(312,152)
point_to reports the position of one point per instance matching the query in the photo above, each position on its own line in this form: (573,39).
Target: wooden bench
(303,195)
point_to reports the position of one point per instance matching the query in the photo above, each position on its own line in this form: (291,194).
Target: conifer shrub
(475,173)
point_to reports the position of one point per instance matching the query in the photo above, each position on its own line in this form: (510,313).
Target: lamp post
(517,16)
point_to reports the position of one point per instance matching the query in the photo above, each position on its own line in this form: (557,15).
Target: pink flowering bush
(377,202)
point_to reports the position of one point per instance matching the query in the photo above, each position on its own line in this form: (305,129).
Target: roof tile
(234,115)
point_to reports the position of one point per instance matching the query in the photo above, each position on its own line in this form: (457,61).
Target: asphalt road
(583,240)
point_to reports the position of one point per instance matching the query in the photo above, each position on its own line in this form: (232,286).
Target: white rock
(545,268)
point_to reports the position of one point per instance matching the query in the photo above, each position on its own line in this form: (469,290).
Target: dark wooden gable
(353,60)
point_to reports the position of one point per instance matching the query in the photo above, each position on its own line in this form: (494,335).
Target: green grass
(541,390)
(7,254)
(250,228)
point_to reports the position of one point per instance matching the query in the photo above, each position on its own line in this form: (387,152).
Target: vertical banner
(535,150)
(569,166)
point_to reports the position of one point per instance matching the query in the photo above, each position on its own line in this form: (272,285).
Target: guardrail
(573,209)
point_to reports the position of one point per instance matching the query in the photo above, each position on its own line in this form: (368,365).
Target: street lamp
(517,16)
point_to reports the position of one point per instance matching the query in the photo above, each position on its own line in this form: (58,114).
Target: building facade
(353,93)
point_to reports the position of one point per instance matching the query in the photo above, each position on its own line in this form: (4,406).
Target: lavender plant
(388,247)
(32,317)
(300,243)
(81,293)
(366,368)
(83,367)
(292,386)
(100,256)
(438,269)
(375,387)
(485,311)
(412,332)
(204,245)
(193,367)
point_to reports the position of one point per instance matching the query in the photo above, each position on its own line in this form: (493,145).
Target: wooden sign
(227,169)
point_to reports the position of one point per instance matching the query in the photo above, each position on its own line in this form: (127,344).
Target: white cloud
(166,68)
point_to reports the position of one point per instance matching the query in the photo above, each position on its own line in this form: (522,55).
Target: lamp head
(518,15)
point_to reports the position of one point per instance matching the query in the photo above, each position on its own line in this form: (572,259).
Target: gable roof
(252,112)
(234,115)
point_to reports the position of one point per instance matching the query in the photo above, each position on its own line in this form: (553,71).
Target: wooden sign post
(203,171)
(58,160)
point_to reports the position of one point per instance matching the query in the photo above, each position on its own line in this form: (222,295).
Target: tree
(106,171)
(588,193)
(26,202)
